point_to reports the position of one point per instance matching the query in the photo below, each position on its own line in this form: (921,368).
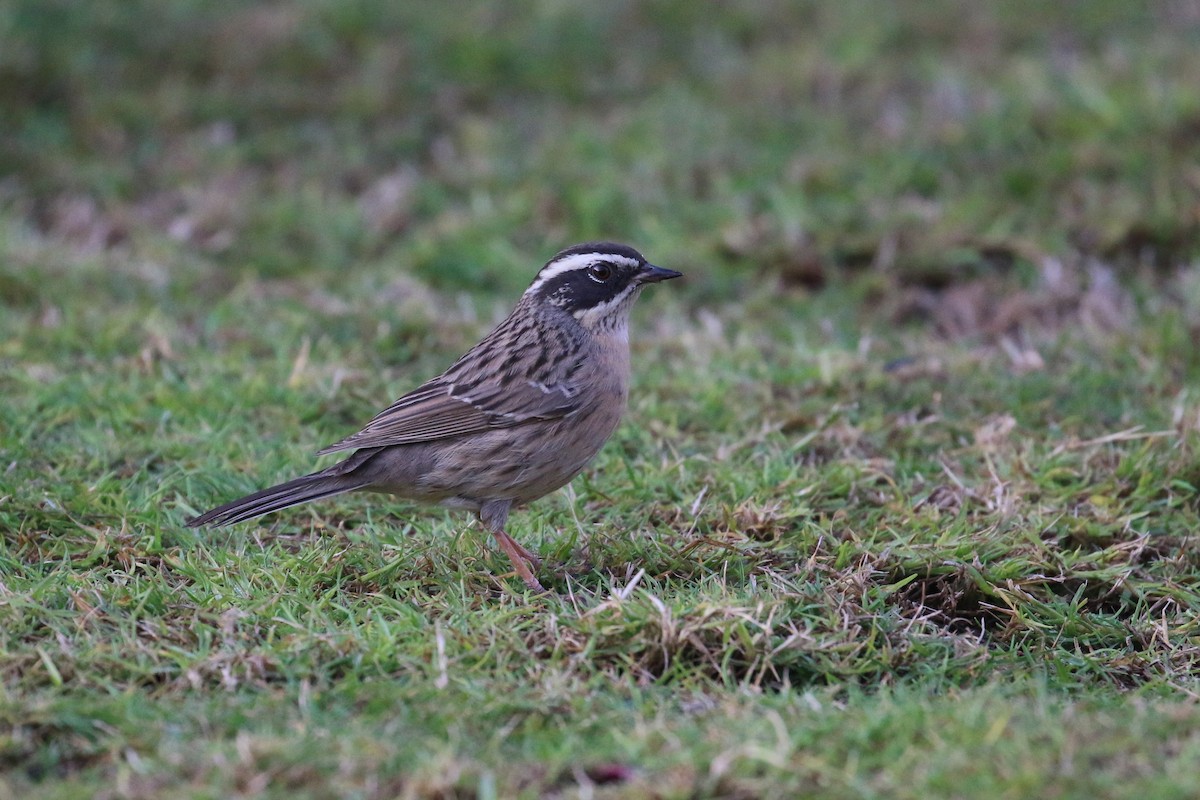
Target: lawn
(906,502)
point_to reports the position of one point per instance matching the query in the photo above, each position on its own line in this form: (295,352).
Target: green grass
(906,504)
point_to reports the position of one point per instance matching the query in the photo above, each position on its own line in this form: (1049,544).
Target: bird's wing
(438,411)
(485,389)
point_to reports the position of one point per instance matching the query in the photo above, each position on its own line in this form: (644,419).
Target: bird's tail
(285,495)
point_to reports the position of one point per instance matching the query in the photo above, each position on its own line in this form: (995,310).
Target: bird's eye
(600,272)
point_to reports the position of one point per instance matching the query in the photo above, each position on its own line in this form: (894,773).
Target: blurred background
(177,147)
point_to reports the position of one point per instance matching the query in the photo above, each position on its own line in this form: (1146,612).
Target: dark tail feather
(285,495)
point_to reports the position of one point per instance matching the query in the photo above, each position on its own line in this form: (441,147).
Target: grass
(907,498)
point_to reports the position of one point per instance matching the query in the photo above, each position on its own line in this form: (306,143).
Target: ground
(906,501)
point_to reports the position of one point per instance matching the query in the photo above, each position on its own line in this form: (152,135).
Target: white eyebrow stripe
(573,262)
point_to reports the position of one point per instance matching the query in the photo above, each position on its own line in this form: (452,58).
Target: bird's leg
(533,558)
(513,551)
(493,515)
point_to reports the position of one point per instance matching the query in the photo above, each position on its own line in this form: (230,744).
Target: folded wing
(477,394)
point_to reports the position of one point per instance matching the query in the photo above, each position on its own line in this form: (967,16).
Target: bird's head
(596,283)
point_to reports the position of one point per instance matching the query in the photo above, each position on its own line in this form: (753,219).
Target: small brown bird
(518,416)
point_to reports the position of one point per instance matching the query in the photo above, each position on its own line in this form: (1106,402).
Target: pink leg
(493,515)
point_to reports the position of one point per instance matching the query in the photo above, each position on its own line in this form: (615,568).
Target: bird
(516,417)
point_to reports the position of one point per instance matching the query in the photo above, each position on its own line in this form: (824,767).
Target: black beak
(653,274)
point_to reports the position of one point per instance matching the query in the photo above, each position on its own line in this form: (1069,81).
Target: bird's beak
(653,274)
